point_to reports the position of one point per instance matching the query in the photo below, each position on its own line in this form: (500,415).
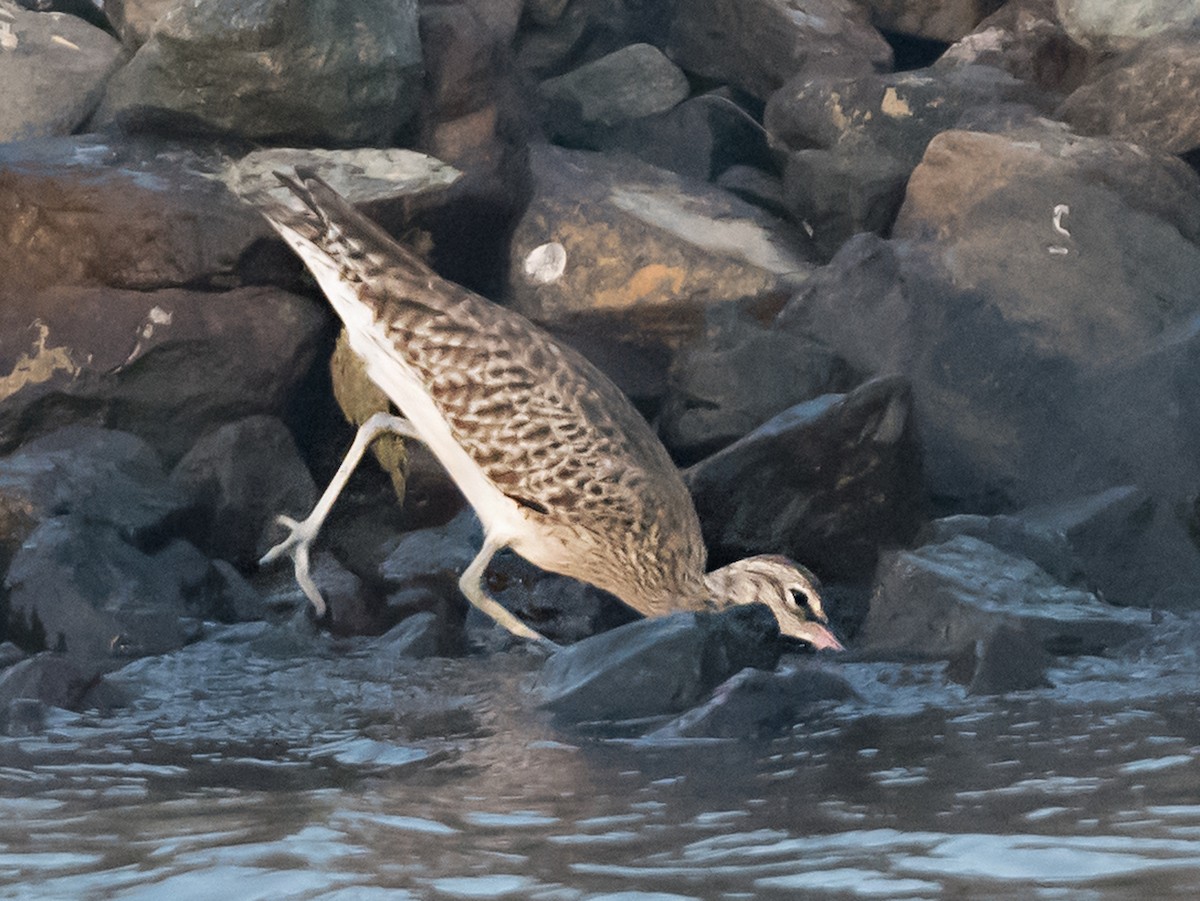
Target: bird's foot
(300,538)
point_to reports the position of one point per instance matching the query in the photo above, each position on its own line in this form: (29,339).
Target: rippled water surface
(248,768)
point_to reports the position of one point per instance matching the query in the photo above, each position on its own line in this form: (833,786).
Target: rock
(98,475)
(983,304)
(280,70)
(233,598)
(933,20)
(167,365)
(545,12)
(1007,659)
(586,30)
(1025,39)
(828,482)
(434,557)
(53,67)
(1113,25)
(137,214)
(857,140)
(637,253)
(98,597)
(53,679)
(414,638)
(757,45)
(629,84)
(1147,95)
(134,19)
(755,186)
(655,667)
(237,479)
(756,704)
(1020,535)
(937,601)
(738,376)
(699,138)
(9,654)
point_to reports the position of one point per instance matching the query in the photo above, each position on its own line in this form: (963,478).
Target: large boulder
(629,249)
(167,365)
(757,45)
(281,70)
(133,20)
(1148,95)
(53,67)
(828,482)
(1108,25)
(1039,294)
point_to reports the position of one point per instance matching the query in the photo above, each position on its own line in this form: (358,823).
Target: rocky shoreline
(907,289)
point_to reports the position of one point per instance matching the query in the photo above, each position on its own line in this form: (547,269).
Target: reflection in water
(247,768)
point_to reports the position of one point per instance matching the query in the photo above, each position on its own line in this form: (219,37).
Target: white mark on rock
(159,316)
(155,317)
(546,263)
(1060,211)
(8,40)
(63,42)
(1057,250)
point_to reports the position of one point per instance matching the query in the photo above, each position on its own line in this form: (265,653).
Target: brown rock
(935,20)
(1148,95)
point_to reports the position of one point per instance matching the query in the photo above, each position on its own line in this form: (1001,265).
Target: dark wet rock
(757,45)
(755,186)
(561,36)
(1115,25)
(937,601)
(103,210)
(934,20)
(1025,39)
(98,597)
(24,716)
(632,83)
(1148,95)
(53,68)
(168,365)
(692,246)
(98,475)
(1006,659)
(49,678)
(736,377)
(281,70)
(420,635)
(699,138)
(829,482)
(545,12)
(1021,535)
(434,557)
(237,479)
(9,653)
(235,599)
(655,667)
(134,19)
(756,703)
(856,140)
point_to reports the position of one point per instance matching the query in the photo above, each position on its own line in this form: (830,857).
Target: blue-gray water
(249,768)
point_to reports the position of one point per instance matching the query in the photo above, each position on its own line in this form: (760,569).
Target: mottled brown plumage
(556,461)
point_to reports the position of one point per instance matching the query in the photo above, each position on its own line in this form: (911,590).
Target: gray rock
(99,475)
(936,602)
(655,667)
(755,186)
(54,680)
(632,83)
(53,68)
(98,597)
(1007,659)
(827,482)
(10,654)
(237,479)
(758,44)
(756,703)
(1147,95)
(736,377)
(1108,25)
(134,19)
(414,638)
(934,20)
(280,70)
(234,599)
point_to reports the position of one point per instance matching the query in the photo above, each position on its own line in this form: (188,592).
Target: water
(256,766)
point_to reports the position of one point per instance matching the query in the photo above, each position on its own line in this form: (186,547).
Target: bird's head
(790,590)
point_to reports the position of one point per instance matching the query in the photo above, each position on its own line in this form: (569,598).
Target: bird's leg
(471,585)
(302,534)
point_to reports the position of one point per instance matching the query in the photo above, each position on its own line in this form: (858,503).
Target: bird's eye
(799,598)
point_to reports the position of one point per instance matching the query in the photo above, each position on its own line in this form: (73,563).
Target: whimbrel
(553,457)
